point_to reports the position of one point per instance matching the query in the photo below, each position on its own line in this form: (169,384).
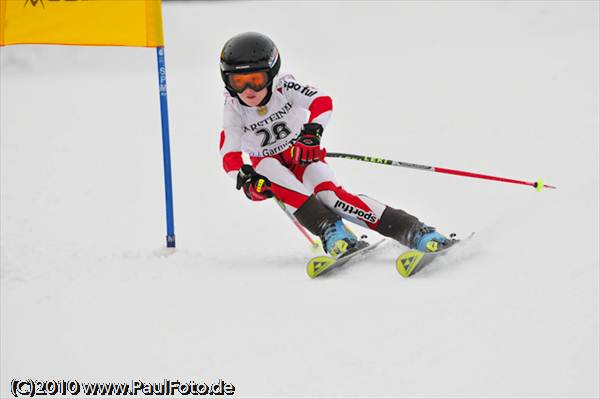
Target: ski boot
(323,222)
(427,239)
(337,239)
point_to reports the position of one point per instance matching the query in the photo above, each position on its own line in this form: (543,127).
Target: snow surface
(510,89)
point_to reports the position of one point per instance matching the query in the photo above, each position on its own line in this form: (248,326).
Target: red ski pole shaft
(538,185)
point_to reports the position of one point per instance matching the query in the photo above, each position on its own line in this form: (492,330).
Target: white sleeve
(315,101)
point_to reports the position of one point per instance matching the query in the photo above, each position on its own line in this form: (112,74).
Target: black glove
(307,147)
(256,187)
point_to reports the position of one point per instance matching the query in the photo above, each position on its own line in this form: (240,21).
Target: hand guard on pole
(307,148)
(256,186)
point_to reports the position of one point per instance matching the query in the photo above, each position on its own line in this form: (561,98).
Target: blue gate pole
(164,116)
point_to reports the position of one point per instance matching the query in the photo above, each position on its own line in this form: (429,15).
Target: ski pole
(538,185)
(314,244)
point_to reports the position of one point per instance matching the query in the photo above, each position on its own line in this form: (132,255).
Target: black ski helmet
(249,52)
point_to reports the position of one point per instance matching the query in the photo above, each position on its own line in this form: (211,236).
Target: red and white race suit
(266,133)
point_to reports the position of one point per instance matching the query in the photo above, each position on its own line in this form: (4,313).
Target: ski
(320,265)
(413,261)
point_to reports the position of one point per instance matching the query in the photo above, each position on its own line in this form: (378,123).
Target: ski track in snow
(509,89)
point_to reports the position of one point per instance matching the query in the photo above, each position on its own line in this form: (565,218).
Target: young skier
(279,123)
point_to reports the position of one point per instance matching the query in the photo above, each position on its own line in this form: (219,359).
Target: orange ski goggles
(254,80)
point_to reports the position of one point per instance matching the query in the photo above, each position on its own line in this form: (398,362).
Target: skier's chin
(253,98)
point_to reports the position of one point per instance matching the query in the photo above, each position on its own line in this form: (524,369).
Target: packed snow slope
(510,89)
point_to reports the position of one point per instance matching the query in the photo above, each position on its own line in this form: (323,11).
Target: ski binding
(413,261)
(320,265)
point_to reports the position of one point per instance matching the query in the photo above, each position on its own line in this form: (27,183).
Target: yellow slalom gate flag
(81,22)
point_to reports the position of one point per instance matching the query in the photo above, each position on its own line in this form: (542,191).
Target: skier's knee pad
(312,214)
(397,224)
